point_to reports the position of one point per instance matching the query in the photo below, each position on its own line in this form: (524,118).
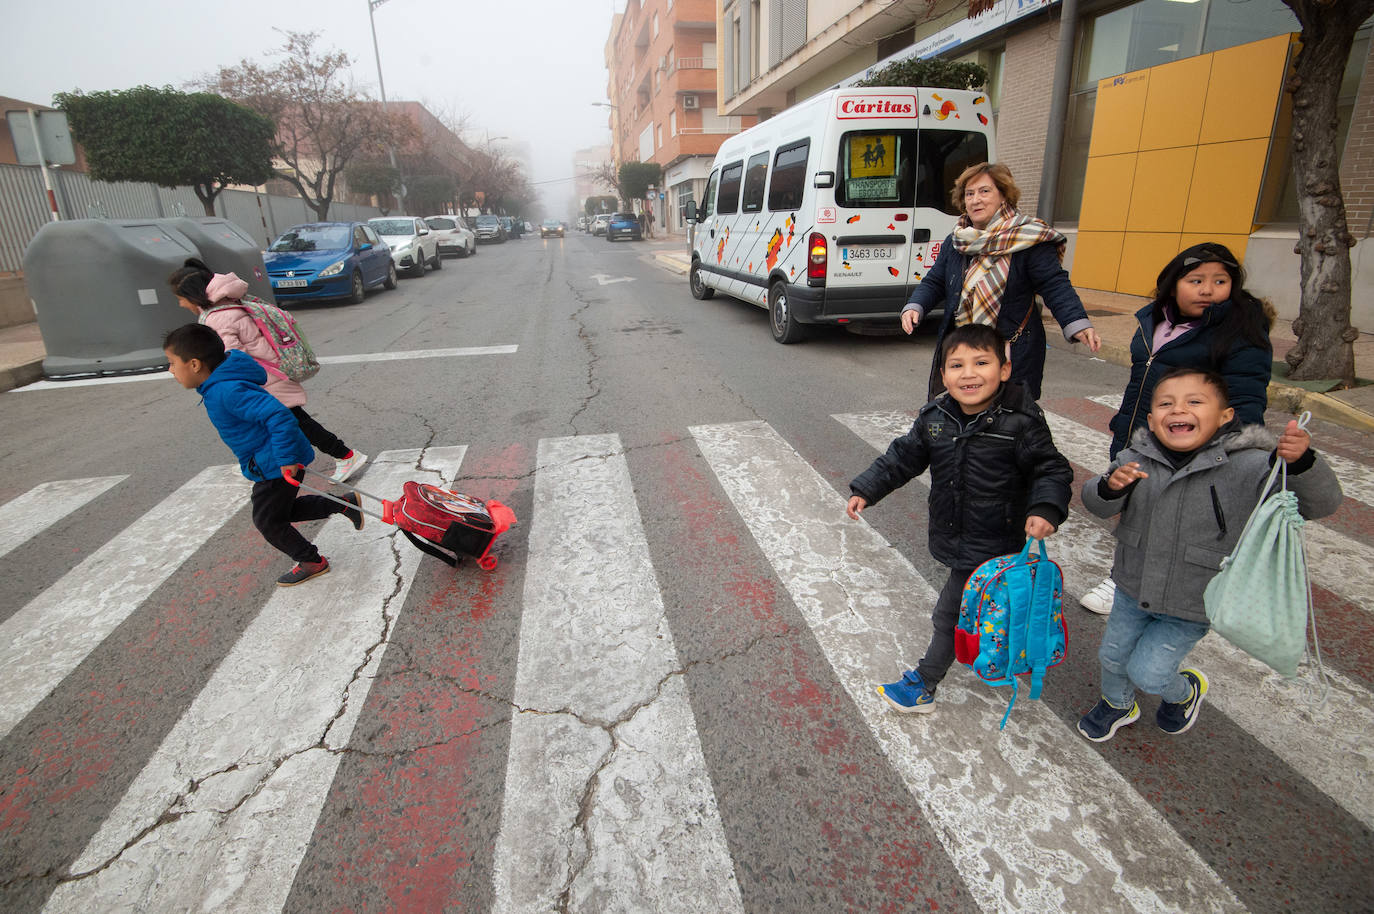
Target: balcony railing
(694,63)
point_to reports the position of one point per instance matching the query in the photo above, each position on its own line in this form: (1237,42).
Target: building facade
(1193,55)
(661,60)
(586,164)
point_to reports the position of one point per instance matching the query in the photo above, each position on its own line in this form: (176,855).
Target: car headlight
(334,269)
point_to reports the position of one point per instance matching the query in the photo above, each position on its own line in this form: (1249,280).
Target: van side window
(727,201)
(941,157)
(755,177)
(876,168)
(709,202)
(789,176)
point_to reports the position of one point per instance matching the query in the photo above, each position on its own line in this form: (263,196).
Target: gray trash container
(226,248)
(100,289)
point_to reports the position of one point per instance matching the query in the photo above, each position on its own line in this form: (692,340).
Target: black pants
(276,507)
(940,654)
(319,436)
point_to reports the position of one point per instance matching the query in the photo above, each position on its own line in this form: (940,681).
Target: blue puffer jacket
(1246,369)
(262,433)
(1033,271)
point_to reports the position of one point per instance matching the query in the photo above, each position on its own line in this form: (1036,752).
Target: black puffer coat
(984,481)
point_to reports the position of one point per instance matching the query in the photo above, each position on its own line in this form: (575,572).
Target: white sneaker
(348,466)
(1100,598)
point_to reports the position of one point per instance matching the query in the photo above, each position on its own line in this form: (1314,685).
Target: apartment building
(1128,173)
(661,65)
(585,164)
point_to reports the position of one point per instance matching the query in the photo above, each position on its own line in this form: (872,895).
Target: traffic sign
(52,131)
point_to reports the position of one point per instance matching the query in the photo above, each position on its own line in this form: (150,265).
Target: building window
(655,25)
(672,122)
(646,143)
(755,34)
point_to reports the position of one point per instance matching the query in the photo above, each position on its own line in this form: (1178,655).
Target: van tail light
(816,259)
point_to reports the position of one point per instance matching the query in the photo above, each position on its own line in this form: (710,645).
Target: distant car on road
(490,228)
(624,225)
(325,260)
(412,243)
(550,227)
(453,235)
(599,223)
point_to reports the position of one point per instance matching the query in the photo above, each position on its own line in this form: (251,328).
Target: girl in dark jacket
(989,271)
(1201,317)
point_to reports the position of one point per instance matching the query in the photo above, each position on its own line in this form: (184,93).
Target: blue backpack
(1011,621)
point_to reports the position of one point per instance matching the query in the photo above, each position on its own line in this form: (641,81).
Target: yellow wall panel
(1117,116)
(1159,195)
(1243,91)
(1096,256)
(1234,243)
(1225,186)
(1174,103)
(1143,255)
(1107,193)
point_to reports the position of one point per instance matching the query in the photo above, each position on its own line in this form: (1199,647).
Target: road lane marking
(324,360)
(608,801)
(44,505)
(1032,816)
(47,639)
(220,817)
(1270,708)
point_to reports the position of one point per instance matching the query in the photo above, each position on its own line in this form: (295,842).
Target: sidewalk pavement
(21,349)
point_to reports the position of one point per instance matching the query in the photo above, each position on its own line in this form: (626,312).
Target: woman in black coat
(990,270)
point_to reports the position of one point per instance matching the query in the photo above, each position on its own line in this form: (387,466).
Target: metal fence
(24,207)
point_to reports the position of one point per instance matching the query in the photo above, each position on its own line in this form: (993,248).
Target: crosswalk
(611,800)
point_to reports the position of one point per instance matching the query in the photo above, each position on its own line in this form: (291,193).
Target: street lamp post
(381,86)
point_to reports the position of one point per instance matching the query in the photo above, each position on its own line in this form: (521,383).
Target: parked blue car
(324,260)
(624,225)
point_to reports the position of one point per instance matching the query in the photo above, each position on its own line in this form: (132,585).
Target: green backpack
(295,359)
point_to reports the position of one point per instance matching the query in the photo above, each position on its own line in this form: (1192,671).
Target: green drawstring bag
(1261,600)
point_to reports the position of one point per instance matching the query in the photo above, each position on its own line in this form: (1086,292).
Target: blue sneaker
(1177,718)
(1101,723)
(908,694)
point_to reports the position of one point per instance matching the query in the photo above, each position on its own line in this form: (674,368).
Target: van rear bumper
(827,306)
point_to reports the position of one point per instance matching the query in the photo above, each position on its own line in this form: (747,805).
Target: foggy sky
(526,69)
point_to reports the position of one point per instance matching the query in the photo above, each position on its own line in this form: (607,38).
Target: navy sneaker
(303,571)
(1101,723)
(355,513)
(908,694)
(1177,718)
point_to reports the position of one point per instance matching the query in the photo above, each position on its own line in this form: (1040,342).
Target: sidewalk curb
(1286,397)
(20,375)
(673,261)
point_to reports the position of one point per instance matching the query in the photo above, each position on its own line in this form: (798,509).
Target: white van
(831,212)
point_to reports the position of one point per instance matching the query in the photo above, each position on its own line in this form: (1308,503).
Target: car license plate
(885,252)
(291,283)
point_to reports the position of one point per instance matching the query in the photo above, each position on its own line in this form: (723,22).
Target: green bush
(935,72)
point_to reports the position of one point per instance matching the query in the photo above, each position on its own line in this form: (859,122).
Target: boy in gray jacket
(1184,488)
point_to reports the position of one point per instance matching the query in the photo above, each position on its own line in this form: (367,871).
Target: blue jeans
(1143,650)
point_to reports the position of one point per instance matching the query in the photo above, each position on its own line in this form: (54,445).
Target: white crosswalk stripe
(221,815)
(1274,710)
(1356,479)
(863,600)
(606,786)
(45,640)
(1336,562)
(44,505)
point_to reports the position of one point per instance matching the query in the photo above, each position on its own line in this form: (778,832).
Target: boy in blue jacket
(264,436)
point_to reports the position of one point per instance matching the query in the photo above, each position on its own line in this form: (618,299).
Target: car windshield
(393,226)
(437,223)
(488,220)
(552,223)
(313,238)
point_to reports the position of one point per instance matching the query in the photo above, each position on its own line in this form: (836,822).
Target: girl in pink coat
(211,297)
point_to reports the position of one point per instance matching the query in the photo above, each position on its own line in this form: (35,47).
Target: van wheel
(786,329)
(700,290)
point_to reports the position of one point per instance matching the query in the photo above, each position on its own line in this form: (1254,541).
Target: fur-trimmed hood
(1231,437)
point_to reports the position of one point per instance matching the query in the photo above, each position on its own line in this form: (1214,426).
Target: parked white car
(453,234)
(412,243)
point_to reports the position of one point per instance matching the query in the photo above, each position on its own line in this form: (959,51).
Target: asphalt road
(661,699)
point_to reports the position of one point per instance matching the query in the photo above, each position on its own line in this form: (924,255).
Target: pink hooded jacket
(238,330)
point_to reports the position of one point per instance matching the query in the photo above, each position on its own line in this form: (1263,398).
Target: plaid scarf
(986,278)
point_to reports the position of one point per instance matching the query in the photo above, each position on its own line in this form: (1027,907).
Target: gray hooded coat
(1178,524)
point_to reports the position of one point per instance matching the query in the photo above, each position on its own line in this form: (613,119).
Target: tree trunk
(206,196)
(1324,348)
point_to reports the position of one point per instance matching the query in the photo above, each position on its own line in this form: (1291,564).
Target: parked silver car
(453,235)
(412,243)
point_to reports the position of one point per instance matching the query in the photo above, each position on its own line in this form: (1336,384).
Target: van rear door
(942,154)
(874,191)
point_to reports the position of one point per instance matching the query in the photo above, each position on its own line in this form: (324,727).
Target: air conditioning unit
(689,103)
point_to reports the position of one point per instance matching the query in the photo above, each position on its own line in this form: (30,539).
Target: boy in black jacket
(995,478)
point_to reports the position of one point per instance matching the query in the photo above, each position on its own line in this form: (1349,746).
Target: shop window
(1141,35)
(1230,24)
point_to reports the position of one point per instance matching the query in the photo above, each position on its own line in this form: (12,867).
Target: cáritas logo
(857,106)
